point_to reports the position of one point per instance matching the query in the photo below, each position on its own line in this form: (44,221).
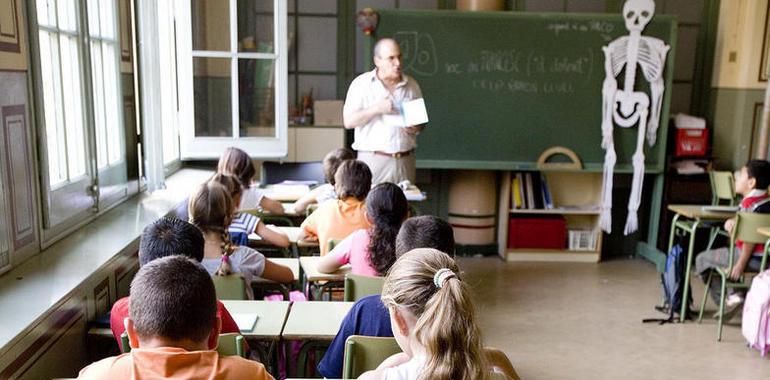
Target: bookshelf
(575,196)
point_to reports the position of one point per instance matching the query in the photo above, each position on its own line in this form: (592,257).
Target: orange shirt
(174,363)
(335,220)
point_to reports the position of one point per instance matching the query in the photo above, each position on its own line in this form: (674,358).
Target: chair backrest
(358,286)
(722,187)
(363,353)
(231,344)
(230,287)
(277,172)
(125,346)
(746,225)
(332,243)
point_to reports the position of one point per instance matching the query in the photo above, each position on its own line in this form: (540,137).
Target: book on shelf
(516,192)
(547,200)
(530,191)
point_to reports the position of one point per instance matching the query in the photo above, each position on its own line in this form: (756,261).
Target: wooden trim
(763,72)
(26,235)
(61,324)
(125,51)
(754,124)
(13,47)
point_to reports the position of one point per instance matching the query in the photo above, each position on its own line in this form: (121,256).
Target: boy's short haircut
(425,231)
(170,236)
(353,179)
(173,297)
(760,171)
(332,161)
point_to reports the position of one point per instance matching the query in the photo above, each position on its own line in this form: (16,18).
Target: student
(372,251)
(243,224)
(337,220)
(237,163)
(751,182)
(211,210)
(168,347)
(368,316)
(167,237)
(425,294)
(325,192)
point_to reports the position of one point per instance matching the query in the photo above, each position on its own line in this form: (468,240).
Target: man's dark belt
(394,155)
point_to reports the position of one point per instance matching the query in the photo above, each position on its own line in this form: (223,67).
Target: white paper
(414,112)
(410,113)
(245,321)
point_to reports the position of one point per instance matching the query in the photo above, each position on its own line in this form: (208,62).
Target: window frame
(192,147)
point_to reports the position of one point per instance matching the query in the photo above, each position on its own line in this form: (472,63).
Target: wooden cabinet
(576,196)
(309,143)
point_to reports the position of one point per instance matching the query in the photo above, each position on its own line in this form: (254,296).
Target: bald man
(387,148)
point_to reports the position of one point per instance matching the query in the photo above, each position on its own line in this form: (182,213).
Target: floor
(583,321)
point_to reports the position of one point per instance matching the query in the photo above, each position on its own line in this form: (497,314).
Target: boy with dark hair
(172,310)
(425,231)
(337,220)
(325,192)
(168,237)
(368,316)
(751,182)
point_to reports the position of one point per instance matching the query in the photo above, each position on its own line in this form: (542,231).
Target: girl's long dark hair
(387,208)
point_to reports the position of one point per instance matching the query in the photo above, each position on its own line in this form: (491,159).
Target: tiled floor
(583,321)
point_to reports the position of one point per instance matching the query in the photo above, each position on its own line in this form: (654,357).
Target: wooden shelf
(555,211)
(565,255)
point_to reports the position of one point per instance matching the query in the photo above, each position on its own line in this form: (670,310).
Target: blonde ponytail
(427,282)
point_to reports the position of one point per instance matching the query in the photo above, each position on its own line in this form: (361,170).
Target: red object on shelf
(548,232)
(691,142)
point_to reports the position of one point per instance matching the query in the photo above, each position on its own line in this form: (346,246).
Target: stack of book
(529,191)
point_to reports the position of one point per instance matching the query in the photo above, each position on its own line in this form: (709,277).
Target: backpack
(755,326)
(673,281)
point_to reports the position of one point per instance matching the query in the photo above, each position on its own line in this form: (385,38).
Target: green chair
(364,353)
(745,229)
(230,287)
(125,345)
(332,243)
(358,286)
(722,193)
(310,208)
(328,287)
(231,344)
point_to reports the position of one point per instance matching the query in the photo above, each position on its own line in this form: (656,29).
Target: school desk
(266,333)
(293,234)
(315,324)
(696,216)
(286,193)
(312,276)
(291,263)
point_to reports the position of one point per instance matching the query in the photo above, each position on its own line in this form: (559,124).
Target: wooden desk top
(286,193)
(310,266)
(272,315)
(292,233)
(697,212)
(316,320)
(292,263)
(764,231)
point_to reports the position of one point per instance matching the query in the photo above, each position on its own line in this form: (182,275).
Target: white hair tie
(442,275)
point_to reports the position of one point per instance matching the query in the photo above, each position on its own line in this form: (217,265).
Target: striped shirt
(242,225)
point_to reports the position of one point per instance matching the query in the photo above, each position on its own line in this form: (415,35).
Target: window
(232,69)
(79,107)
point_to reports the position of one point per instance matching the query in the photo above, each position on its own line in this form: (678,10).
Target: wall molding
(10,37)
(763,63)
(21,189)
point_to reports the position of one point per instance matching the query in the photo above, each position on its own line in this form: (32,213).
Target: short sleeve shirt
(354,250)
(376,135)
(244,260)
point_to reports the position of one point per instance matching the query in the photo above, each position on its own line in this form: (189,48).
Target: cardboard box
(327,112)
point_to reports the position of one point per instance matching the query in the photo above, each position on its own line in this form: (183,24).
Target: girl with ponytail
(211,209)
(433,321)
(372,251)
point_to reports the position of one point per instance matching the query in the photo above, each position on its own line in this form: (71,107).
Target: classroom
(384,189)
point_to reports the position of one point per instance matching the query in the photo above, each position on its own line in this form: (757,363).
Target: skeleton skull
(637,13)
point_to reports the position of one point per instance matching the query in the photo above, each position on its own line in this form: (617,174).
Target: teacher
(387,148)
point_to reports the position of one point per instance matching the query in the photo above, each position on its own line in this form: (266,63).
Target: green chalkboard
(501,87)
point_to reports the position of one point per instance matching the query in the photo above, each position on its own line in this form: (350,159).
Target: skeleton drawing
(626,107)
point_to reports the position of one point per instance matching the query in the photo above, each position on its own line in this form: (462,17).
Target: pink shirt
(354,250)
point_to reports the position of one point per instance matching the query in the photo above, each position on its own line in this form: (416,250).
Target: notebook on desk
(720,208)
(245,321)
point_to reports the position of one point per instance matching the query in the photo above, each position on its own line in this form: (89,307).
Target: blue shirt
(368,317)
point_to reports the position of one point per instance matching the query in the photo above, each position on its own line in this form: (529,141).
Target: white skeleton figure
(627,107)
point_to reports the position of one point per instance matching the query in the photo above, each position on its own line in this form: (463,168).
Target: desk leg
(672,234)
(685,292)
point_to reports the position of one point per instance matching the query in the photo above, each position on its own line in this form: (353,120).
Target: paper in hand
(410,113)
